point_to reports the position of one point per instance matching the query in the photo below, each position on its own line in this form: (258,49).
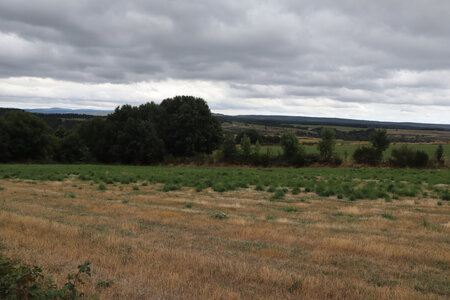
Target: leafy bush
(171,187)
(279,194)
(367,155)
(21,281)
(406,157)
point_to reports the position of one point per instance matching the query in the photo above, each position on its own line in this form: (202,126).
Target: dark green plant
(326,144)
(21,281)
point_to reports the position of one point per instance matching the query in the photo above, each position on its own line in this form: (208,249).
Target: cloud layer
(385,60)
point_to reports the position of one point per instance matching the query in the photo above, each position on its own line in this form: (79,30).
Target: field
(232,233)
(350,147)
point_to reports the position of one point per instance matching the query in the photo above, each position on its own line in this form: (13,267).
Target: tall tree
(188,127)
(380,140)
(439,153)
(327,144)
(26,136)
(289,143)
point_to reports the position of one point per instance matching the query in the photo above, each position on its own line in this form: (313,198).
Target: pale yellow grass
(154,246)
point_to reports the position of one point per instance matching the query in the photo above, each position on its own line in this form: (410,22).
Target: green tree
(380,140)
(188,127)
(25,136)
(246,146)
(439,153)
(327,144)
(290,145)
(229,150)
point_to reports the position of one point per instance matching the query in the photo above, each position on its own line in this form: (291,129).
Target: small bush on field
(102,187)
(271,189)
(171,187)
(20,281)
(388,216)
(279,194)
(71,195)
(269,217)
(445,195)
(188,205)
(220,215)
(296,191)
(105,283)
(2,188)
(259,187)
(125,201)
(289,209)
(135,188)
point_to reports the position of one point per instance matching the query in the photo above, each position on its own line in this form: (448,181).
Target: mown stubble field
(185,244)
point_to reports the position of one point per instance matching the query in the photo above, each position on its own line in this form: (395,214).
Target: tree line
(145,134)
(177,130)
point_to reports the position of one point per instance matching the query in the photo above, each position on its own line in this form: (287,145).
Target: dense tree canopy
(24,136)
(187,126)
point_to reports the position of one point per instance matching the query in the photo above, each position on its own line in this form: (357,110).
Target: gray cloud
(391,52)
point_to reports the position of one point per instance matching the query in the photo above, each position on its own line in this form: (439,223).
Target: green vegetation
(21,281)
(341,183)
(179,127)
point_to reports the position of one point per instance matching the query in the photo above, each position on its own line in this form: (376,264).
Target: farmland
(188,232)
(348,148)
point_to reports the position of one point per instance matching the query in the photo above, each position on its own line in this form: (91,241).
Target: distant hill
(56,110)
(65,116)
(287,121)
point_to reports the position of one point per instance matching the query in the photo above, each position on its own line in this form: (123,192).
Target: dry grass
(175,245)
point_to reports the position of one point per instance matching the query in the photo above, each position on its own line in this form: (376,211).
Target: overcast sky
(375,60)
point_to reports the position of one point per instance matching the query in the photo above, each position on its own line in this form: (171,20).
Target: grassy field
(230,233)
(349,148)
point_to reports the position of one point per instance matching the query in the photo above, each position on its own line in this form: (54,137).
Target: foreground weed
(388,216)
(279,194)
(171,187)
(220,215)
(101,187)
(20,281)
(289,209)
(188,205)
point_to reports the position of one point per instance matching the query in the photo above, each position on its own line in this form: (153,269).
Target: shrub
(279,194)
(367,155)
(102,187)
(445,195)
(259,187)
(220,215)
(171,187)
(388,216)
(20,281)
(296,191)
(406,157)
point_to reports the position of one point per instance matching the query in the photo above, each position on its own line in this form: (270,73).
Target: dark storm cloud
(348,51)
